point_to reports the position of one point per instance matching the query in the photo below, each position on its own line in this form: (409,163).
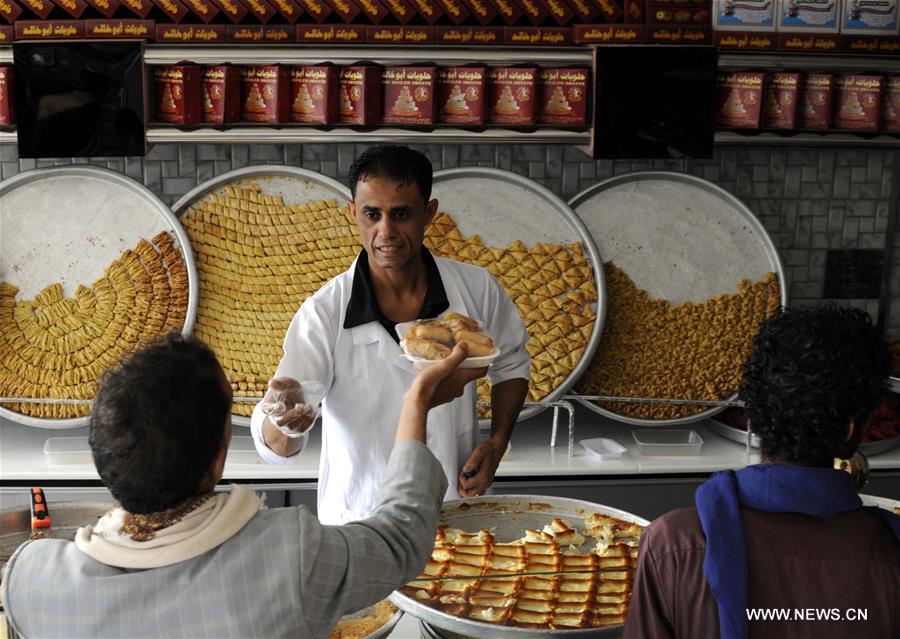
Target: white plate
(421,362)
(603,447)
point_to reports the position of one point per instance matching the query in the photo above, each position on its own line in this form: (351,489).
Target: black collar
(363,307)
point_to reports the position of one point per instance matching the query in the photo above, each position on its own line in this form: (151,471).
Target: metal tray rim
(737,435)
(33,175)
(736,204)
(245,173)
(593,255)
(471,628)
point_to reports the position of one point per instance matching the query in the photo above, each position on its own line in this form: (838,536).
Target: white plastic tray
(667,441)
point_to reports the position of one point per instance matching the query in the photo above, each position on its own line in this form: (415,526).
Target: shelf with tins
(885,65)
(306,135)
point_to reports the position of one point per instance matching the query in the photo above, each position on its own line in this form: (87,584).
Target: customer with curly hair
(785,547)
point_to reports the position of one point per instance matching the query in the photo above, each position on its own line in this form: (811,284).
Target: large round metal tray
(881,502)
(739,435)
(680,238)
(508,516)
(66,224)
(503,207)
(295,185)
(67,517)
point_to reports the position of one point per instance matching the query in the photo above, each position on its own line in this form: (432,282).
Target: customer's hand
(444,381)
(285,407)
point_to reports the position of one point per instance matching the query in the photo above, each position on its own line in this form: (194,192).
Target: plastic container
(603,447)
(667,441)
(63,451)
(242,451)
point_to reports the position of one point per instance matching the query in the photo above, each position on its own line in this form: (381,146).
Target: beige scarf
(125,540)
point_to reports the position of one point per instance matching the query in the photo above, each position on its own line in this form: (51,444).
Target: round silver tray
(295,185)
(880,502)
(502,207)
(739,435)
(67,517)
(84,217)
(508,516)
(680,238)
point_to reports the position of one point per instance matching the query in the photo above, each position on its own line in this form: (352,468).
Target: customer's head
(393,163)
(812,383)
(161,424)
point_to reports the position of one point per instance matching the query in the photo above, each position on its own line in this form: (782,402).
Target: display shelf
(808,140)
(397,54)
(308,135)
(884,65)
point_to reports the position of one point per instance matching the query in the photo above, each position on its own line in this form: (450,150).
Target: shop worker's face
(391,217)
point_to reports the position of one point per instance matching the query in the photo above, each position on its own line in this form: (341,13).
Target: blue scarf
(775,488)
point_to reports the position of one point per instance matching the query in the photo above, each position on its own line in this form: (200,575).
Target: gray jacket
(283,575)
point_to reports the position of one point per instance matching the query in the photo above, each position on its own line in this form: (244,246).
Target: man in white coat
(344,337)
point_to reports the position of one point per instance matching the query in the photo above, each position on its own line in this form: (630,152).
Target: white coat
(365,377)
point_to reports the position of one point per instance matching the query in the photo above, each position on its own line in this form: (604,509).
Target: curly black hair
(397,163)
(812,372)
(157,421)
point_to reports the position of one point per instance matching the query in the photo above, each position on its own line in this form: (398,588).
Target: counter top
(22,458)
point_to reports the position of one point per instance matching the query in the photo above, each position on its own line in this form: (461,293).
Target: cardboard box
(76,7)
(744,15)
(890,105)
(177,94)
(190,33)
(677,14)
(409,95)
(234,10)
(483,11)
(869,17)
(512,92)
(455,10)
(221,94)
(428,10)
(461,95)
(10,10)
(816,99)
(359,99)
(558,11)
(265,94)
(739,99)
(314,93)
(564,94)
(7,97)
(858,102)
(610,10)
(809,16)
(782,100)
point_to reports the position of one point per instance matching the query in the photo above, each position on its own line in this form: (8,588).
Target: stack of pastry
(581,597)
(258,260)
(553,287)
(58,347)
(653,348)
(435,339)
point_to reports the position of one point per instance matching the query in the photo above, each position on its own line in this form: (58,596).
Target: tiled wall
(808,200)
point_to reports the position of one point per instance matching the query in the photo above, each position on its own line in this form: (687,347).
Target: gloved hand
(286,407)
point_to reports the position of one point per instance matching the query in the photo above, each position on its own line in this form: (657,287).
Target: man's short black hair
(396,163)
(812,371)
(157,421)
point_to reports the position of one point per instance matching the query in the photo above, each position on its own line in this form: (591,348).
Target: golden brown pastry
(474,337)
(476,349)
(431,331)
(425,348)
(459,322)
